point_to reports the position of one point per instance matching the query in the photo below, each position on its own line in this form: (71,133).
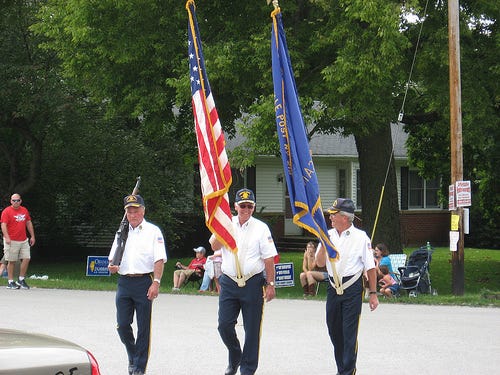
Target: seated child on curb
(388,286)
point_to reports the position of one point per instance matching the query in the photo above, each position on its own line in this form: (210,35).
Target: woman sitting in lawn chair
(381,254)
(311,273)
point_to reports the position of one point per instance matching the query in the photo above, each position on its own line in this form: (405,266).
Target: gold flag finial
(275,3)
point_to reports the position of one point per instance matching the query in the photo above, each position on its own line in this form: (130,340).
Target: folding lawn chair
(196,278)
(397,260)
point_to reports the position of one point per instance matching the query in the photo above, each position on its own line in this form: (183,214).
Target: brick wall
(419,227)
(416,227)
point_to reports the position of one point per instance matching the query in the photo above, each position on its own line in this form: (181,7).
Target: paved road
(395,339)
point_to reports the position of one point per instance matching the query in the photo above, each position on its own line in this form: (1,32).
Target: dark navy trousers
(131,296)
(342,319)
(249,299)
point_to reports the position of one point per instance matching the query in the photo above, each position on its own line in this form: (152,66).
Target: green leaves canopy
(351,61)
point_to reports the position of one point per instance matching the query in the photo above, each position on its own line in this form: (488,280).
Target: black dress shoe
(231,370)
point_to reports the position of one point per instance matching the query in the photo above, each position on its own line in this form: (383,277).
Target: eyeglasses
(243,205)
(15,200)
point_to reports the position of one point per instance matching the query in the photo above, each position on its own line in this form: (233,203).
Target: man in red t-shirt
(184,272)
(16,245)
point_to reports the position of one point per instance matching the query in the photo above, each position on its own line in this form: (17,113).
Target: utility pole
(456,138)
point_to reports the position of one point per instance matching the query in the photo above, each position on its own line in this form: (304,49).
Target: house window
(342,183)
(358,189)
(422,193)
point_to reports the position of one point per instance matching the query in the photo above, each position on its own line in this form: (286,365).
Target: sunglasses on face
(16,200)
(243,205)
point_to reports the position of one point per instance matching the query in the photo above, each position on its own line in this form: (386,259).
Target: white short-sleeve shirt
(255,244)
(355,252)
(144,247)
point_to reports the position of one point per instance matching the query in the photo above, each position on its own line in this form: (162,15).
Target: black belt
(137,274)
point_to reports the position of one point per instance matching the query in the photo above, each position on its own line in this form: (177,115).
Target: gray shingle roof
(338,145)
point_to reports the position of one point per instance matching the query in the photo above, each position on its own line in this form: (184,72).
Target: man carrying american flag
(247,245)
(256,255)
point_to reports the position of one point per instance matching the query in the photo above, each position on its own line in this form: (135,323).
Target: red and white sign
(463,192)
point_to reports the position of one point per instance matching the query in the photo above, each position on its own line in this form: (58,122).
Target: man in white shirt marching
(140,269)
(344,301)
(256,251)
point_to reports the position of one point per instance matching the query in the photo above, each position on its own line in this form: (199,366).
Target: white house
(336,162)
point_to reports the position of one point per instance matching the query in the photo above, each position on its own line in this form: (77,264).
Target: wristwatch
(157,280)
(270,283)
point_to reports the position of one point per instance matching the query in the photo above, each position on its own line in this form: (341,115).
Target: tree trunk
(20,179)
(374,152)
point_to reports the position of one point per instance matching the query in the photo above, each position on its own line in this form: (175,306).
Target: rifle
(122,232)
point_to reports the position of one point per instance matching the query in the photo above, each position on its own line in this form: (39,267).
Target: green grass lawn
(482,278)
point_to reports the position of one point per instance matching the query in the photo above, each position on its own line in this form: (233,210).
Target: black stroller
(415,277)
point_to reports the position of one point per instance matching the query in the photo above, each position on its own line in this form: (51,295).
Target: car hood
(24,353)
(10,338)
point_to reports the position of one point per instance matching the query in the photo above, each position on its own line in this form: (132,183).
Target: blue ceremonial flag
(300,174)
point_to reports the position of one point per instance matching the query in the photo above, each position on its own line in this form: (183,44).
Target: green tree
(428,116)
(91,166)
(361,82)
(347,65)
(352,57)
(72,155)
(120,54)
(32,97)
(123,53)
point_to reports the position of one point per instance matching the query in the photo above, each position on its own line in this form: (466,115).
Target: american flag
(215,171)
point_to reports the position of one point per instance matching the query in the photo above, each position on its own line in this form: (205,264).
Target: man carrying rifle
(140,269)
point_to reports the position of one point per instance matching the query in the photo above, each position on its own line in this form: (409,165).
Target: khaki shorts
(16,250)
(187,272)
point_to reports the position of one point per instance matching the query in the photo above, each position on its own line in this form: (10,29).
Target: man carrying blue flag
(300,175)
(343,304)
